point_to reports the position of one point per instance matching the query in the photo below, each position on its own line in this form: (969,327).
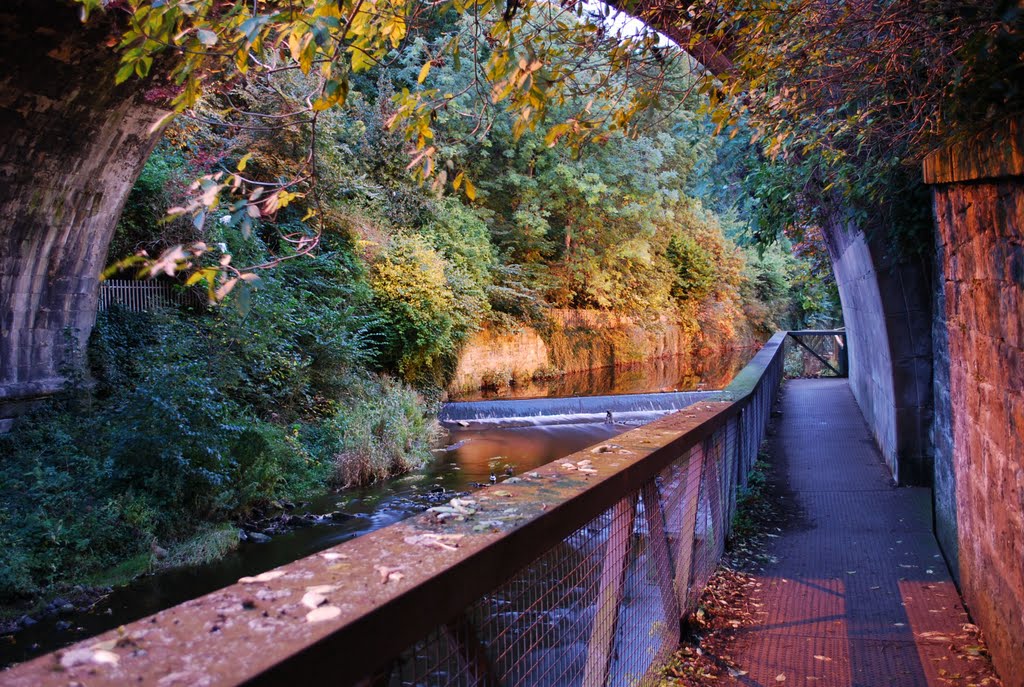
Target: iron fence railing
(145,296)
(818,353)
(578,573)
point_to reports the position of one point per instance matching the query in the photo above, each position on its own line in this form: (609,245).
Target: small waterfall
(620,408)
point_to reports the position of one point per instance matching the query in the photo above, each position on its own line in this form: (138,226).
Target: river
(470,456)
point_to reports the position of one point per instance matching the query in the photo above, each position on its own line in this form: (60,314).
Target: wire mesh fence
(604,605)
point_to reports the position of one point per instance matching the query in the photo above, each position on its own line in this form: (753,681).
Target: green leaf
(127,69)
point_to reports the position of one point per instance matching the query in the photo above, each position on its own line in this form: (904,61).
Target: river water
(677,373)
(469,457)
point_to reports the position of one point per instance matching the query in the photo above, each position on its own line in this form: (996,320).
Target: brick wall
(979,426)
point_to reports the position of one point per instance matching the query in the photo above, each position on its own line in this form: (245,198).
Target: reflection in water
(475,455)
(677,373)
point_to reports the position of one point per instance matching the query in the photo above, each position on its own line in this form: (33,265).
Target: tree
(88,103)
(845,99)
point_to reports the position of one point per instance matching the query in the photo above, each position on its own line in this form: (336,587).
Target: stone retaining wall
(887,313)
(580,340)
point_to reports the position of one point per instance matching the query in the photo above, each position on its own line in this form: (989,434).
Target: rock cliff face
(580,340)
(72,146)
(979,382)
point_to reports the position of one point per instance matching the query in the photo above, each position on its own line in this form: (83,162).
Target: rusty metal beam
(657,543)
(685,550)
(473,657)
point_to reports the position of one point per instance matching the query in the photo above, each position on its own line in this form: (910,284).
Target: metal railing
(578,573)
(820,352)
(145,296)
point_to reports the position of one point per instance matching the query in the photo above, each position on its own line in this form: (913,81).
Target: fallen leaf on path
(313,600)
(322,588)
(445,542)
(105,657)
(77,657)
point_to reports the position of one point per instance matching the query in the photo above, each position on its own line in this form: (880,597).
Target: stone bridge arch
(72,145)
(887,312)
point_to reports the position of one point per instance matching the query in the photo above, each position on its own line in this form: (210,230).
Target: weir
(524,412)
(578,572)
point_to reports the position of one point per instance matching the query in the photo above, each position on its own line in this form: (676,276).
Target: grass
(208,545)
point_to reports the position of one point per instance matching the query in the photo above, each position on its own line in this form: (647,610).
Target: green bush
(426,311)
(197,419)
(384,433)
(693,271)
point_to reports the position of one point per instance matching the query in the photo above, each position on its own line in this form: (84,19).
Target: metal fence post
(609,593)
(685,545)
(658,541)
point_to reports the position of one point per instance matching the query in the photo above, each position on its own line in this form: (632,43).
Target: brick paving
(856,592)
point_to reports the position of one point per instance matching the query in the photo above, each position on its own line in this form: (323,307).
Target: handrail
(842,357)
(348,613)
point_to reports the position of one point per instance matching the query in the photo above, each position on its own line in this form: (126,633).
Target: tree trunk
(73,144)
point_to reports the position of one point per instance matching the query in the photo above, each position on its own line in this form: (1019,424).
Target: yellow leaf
(470,188)
(243,162)
(195,277)
(424,70)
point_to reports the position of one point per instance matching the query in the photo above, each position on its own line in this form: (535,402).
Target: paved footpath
(857,593)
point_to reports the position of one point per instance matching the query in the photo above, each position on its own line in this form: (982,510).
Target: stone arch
(72,147)
(887,310)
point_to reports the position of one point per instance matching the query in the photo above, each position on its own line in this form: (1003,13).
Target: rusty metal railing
(820,352)
(578,573)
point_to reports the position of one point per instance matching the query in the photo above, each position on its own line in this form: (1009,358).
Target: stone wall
(72,146)
(490,357)
(887,313)
(580,340)
(979,426)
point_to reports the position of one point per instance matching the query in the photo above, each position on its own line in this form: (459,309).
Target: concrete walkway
(857,592)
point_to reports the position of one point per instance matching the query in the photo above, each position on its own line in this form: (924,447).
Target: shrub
(383,432)
(425,323)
